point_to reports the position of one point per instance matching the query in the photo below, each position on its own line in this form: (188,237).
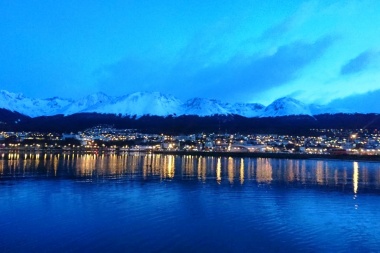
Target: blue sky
(238,51)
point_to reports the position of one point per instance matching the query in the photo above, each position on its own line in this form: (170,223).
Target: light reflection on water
(345,174)
(166,203)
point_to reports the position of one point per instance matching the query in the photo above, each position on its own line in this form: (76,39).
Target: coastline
(371,158)
(299,156)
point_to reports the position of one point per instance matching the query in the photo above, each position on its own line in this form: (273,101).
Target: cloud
(236,79)
(360,63)
(276,31)
(362,103)
(241,77)
(131,74)
(304,12)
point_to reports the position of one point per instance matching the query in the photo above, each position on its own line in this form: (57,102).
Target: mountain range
(154,103)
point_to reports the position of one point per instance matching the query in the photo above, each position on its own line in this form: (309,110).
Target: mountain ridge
(155,104)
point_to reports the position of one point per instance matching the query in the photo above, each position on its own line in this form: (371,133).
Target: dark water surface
(165,203)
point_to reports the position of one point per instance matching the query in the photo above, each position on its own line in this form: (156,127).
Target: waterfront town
(107,139)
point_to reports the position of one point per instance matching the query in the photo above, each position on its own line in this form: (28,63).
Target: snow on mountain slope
(140,103)
(13,101)
(247,110)
(86,103)
(322,109)
(31,106)
(51,106)
(203,107)
(154,103)
(286,106)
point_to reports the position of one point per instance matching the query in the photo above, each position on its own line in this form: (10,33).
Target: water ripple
(192,204)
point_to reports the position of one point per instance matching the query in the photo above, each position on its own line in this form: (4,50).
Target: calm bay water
(166,203)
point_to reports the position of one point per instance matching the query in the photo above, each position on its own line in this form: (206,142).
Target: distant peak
(287,99)
(98,95)
(153,103)
(146,94)
(12,95)
(198,99)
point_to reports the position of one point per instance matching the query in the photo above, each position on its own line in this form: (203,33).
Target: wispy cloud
(241,77)
(360,63)
(236,79)
(130,75)
(362,103)
(304,12)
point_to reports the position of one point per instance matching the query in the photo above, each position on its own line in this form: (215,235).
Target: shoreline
(299,156)
(370,158)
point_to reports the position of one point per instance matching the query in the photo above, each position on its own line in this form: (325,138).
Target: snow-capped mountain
(322,109)
(247,110)
(153,103)
(286,106)
(31,106)
(86,103)
(203,107)
(140,103)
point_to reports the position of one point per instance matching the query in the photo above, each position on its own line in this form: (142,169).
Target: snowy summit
(153,103)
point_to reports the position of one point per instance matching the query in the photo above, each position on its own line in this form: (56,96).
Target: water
(165,203)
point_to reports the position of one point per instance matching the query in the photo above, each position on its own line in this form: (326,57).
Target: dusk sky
(236,51)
